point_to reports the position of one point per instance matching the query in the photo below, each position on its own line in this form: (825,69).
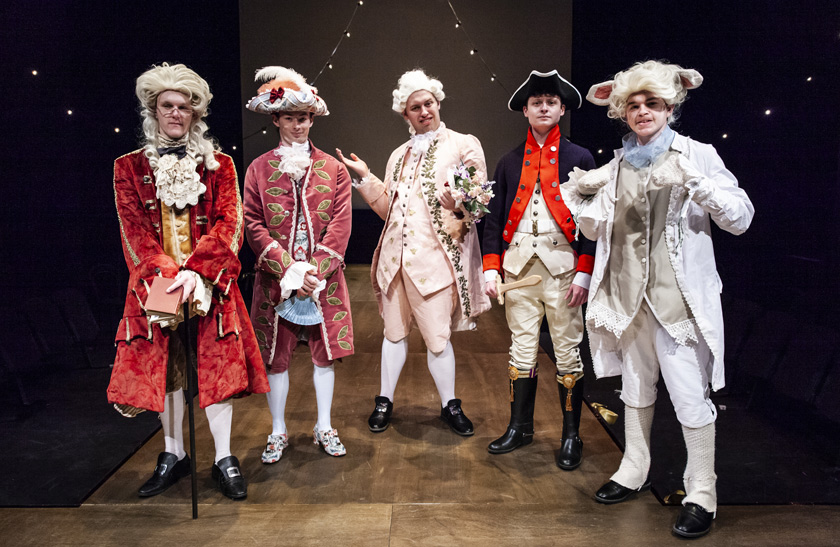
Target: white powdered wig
(411,81)
(178,78)
(667,81)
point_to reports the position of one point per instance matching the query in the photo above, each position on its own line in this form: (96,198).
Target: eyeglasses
(168,110)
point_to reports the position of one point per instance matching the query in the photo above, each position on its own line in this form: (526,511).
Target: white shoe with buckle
(274,448)
(330,441)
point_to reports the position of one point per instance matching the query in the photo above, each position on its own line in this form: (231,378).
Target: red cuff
(586,263)
(492,262)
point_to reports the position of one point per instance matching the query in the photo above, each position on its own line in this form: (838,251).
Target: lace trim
(602,316)
(683,331)
(177,182)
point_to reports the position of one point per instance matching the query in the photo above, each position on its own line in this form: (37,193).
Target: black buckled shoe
(693,522)
(229,479)
(380,419)
(612,492)
(455,418)
(514,437)
(167,472)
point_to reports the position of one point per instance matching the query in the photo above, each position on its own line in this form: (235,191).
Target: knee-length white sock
(279,384)
(442,367)
(700,479)
(172,420)
(220,418)
(393,360)
(324,380)
(635,464)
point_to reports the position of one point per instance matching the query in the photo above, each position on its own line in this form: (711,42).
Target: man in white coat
(655,293)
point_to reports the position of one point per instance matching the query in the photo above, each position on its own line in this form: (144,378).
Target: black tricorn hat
(545,83)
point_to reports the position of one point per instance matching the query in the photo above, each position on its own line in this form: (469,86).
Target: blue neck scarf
(639,155)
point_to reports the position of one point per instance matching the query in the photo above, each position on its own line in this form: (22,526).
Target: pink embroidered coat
(228,356)
(271,215)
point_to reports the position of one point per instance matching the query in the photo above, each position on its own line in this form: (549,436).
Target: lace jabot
(177,182)
(420,143)
(294,159)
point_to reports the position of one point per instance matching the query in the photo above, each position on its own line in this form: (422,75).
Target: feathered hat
(285,90)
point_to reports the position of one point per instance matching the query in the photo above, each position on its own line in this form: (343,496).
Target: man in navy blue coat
(530,231)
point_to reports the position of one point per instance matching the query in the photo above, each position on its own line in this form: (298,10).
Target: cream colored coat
(689,241)
(455,239)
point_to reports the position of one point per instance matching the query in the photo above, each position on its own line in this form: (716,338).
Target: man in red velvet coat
(180,217)
(298,220)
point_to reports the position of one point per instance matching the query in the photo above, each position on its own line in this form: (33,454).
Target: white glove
(589,182)
(676,171)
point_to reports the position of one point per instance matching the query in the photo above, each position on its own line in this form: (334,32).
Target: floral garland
(428,174)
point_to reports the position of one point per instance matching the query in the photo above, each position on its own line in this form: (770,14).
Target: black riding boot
(570,398)
(521,429)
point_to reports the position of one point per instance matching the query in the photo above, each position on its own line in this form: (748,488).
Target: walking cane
(190,400)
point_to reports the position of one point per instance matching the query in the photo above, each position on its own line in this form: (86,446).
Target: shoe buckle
(233,472)
(161,469)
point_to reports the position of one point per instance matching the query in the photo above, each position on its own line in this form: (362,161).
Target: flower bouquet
(472,195)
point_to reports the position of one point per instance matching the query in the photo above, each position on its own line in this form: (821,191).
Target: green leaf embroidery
(325,264)
(343,332)
(323,189)
(274,265)
(324,216)
(274,163)
(265,306)
(333,301)
(261,336)
(276,191)
(332,289)
(266,293)
(339,316)
(286,258)
(275,234)
(324,205)
(262,321)
(313,261)
(276,208)
(276,220)
(322,174)
(275,175)
(319,164)
(344,345)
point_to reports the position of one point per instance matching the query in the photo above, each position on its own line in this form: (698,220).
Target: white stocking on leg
(635,464)
(324,380)
(393,360)
(699,477)
(279,384)
(172,420)
(220,418)
(442,367)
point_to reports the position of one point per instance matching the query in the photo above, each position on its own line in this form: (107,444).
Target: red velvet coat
(271,214)
(228,357)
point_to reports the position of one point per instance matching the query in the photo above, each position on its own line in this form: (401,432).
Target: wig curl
(667,81)
(411,81)
(178,78)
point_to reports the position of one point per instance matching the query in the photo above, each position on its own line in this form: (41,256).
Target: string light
(361,3)
(329,66)
(767,112)
(234,147)
(116,130)
(34,72)
(600,150)
(69,112)
(346,34)
(725,135)
(459,24)
(808,79)
(264,131)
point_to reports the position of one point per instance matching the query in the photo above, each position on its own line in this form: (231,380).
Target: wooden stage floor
(415,484)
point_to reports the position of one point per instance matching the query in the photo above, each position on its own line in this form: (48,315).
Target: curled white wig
(178,78)
(667,81)
(411,81)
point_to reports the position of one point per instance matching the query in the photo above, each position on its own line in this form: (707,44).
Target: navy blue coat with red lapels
(516,177)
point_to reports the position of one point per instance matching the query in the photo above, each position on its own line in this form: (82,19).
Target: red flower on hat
(276,94)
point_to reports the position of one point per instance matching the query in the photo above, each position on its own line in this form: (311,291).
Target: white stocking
(172,420)
(442,367)
(635,464)
(220,417)
(324,380)
(279,384)
(393,360)
(699,477)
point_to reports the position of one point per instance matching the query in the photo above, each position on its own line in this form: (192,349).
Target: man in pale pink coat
(427,267)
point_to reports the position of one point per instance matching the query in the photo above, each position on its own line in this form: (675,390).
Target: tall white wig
(668,82)
(178,78)
(411,81)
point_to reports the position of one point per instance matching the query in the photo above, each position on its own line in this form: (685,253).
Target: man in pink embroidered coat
(298,220)
(427,267)
(181,217)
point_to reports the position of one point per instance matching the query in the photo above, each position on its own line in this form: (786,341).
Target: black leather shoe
(229,479)
(380,419)
(693,522)
(514,437)
(455,418)
(571,453)
(167,472)
(612,492)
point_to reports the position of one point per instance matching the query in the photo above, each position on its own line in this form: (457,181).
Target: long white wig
(411,81)
(178,78)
